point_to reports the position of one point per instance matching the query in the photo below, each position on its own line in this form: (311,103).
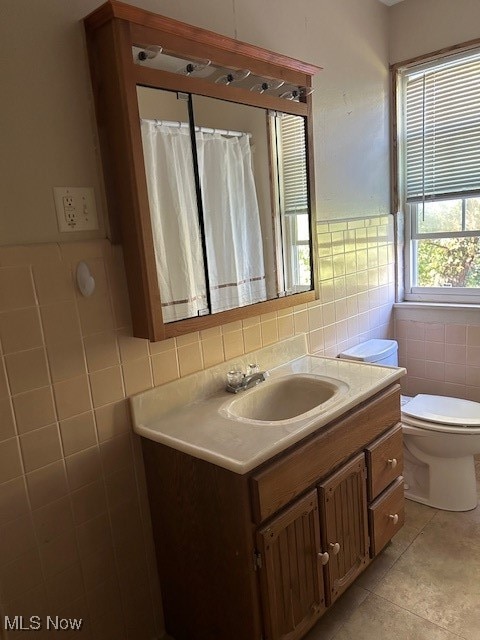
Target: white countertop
(201,429)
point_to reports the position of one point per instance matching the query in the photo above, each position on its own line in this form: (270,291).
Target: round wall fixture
(85,280)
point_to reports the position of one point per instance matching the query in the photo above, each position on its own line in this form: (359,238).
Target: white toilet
(441,436)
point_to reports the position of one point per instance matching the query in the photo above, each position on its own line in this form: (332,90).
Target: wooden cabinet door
(291,573)
(343,505)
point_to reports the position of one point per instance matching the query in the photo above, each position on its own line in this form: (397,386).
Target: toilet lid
(443,410)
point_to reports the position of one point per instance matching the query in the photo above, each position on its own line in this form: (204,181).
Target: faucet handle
(235,375)
(252,368)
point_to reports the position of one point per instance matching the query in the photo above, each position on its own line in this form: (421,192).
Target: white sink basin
(289,398)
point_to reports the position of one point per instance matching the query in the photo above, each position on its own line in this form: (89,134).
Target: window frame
(286,220)
(291,252)
(433,294)
(406,211)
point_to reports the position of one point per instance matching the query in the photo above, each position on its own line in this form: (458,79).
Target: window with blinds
(439,139)
(442,127)
(293,202)
(293,164)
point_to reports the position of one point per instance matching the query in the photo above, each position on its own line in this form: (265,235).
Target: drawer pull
(324,557)
(335,548)
(392,462)
(394,518)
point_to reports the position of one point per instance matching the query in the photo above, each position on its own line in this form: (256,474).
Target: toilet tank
(384,352)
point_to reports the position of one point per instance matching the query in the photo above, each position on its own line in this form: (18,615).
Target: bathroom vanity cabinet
(265,553)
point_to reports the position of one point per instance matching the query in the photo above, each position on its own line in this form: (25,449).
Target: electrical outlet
(76,209)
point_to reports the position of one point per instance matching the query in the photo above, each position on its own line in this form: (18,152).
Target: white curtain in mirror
(232,223)
(173,209)
(233,234)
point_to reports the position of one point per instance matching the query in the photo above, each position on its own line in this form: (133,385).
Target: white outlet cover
(76,209)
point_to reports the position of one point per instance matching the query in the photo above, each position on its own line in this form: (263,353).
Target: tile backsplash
(75,529)
(356,283)
(442,358)
(74,520)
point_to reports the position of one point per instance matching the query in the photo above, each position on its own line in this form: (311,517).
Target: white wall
(418,27)
(46,115)
(49,136)
(349,40)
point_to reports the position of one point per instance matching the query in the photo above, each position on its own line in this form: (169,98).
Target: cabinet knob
(335,547)
(324,557)
(392,462)
(394,518)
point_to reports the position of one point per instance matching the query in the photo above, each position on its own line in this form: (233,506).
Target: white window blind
(293,164)
(442,126)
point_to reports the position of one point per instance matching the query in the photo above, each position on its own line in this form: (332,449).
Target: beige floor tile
(437,579)
(339,613)
(378,619)
(385,561)
(454,525)
(418,515)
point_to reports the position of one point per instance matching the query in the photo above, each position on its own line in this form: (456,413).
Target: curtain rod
(185,125)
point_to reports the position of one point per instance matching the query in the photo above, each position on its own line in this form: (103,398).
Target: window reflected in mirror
(290,163)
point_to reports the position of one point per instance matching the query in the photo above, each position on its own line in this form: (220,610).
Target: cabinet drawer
(282,481)
(384,461)
(386,516)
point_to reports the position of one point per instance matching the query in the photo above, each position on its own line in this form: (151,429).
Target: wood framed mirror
(206,146)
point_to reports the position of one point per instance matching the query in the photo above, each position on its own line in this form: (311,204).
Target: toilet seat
(441,413)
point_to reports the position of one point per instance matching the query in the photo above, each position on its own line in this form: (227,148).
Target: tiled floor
(424,586)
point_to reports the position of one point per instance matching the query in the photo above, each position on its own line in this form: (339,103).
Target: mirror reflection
(172,197)
(233,158)
(290,170)
(229,206)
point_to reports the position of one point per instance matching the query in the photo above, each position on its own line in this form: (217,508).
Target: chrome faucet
(247,381)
